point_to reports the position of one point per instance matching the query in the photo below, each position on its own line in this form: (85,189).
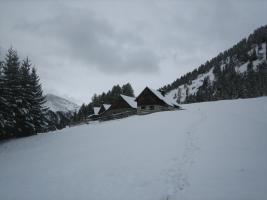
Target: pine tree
(75,117)
(13,91)
(127,90)
(38,110)
(3,104)
(250,79)
(115,93)
(51,120)
(89,110)
(27,123)
(262,78)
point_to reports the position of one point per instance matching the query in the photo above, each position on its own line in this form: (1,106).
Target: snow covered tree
(27,124)
(13,91)
(37,110)
(3,104)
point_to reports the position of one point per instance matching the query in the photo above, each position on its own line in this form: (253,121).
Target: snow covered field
(210,151)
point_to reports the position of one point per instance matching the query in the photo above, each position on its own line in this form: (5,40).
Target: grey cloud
(143,42)
(199,30)
(95,42)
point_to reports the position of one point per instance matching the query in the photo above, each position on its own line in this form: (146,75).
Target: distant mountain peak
(56,103)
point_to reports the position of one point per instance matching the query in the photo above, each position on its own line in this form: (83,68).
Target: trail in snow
(177,174)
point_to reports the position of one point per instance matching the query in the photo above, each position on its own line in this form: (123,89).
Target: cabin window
(151,107)
(143,107)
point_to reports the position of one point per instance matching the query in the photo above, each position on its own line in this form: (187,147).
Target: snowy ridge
(179,94)
(56,103)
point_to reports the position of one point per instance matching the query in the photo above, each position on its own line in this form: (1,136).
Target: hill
(239,72)
(56,103)
(60,113)
(220,153)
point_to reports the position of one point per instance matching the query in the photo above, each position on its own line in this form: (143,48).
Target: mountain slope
(56,103)
(239,72)
(220,153)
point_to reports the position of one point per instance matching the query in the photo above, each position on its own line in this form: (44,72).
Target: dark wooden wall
(102,109)
(149,98)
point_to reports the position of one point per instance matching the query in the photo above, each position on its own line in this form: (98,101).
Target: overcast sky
(84,47)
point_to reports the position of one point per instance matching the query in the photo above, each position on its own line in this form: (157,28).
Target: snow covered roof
(106,106)
(130,100)
(171,101)
(167,100)
(96,110)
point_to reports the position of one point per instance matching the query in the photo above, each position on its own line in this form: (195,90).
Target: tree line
(230,84)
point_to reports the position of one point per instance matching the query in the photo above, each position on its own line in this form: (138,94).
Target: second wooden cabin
(123,106)
(150,100)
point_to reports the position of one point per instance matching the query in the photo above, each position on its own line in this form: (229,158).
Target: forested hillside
(239,72)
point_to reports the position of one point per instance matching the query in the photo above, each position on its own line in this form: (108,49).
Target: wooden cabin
(150,100)
(103,108)
(124,106)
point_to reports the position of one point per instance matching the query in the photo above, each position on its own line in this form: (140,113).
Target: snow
(171,101)
(96,110)
(243,68)
(56,103)
(263,51)
(192,88)
(106,106)
(256,63)
(168,100)
(211,150)
(130,100)
(261,54)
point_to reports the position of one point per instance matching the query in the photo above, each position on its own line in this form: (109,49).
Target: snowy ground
(210,151)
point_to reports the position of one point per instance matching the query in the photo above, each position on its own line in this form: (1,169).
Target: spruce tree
(38,111)
(115,93)
(127,90)
(27,124)
(13,93)
(3,104)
